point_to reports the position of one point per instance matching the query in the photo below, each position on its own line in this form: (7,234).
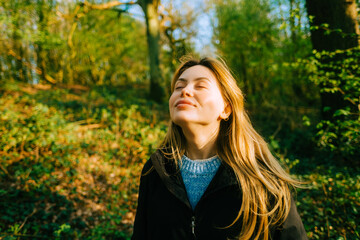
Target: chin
(181,121)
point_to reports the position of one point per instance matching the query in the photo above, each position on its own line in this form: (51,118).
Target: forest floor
(71,157)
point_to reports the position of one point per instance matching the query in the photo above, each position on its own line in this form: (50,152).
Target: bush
(338,73)
(70,161)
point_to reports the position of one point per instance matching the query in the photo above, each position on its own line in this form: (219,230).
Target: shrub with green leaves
(338,73)
(329,206)
(70,161)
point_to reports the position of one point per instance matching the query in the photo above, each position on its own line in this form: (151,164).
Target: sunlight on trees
(83,89)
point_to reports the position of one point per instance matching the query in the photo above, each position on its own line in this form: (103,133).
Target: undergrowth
(70,160)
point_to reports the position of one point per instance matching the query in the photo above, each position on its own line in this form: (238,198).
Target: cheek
(171,101)
(214,99)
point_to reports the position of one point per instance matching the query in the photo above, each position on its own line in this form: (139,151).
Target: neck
(201,143)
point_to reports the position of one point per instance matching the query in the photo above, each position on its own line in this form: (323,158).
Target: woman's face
(197,99)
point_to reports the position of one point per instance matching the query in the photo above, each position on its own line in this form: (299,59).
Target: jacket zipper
(193,226)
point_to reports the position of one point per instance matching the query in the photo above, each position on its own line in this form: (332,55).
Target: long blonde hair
(262,179)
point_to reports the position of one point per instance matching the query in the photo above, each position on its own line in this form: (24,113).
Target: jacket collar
(171,177)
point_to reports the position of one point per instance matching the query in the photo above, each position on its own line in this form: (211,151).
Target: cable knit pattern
(197,174)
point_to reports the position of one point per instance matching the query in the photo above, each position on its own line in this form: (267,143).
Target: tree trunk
(150,9)
(153,36)
(40,52)
(338,14)
(292,21)
(19,73)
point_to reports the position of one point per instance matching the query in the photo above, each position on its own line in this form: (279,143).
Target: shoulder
(147,168)
(153,163)
(293,227)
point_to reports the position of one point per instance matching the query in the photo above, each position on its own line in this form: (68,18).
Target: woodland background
(83,90)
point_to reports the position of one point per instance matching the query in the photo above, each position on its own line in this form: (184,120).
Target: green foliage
(40,128)
(285,106)
(245,35)
(59,42)
(114,51)
(71,158)
(263,56)
(329,206)
(338,73)
(83,183)
(64,228)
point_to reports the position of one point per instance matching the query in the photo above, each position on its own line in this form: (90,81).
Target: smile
(183,103)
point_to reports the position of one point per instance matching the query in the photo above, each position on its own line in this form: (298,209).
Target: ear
(226,112)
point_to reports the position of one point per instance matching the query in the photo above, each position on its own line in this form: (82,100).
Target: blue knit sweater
(197,174)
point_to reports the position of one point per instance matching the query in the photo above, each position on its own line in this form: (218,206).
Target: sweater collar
(203,166)
(171,177)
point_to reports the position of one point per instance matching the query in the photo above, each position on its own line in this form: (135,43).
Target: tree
(113,52)
(177,29)
(43,10)
(63,42)
(150,9)
(334,26)
(13,49)
(245,36)
(335,70)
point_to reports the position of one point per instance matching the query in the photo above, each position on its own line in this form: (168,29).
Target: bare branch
(27,217)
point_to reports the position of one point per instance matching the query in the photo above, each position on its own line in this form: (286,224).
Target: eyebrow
(196,79)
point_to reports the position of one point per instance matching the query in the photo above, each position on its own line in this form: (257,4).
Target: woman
(213,176)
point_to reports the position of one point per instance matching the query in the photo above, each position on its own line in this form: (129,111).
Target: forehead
(197,72)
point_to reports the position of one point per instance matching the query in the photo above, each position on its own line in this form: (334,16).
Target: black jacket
(164,211)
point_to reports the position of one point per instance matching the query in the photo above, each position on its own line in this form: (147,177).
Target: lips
(184,102)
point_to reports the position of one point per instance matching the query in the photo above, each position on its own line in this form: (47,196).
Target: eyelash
(198,86)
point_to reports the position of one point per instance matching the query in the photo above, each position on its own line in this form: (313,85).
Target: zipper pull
(193,225)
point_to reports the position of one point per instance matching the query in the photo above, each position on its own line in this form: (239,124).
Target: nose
(186,92)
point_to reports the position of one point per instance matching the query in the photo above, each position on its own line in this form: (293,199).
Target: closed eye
(202,85)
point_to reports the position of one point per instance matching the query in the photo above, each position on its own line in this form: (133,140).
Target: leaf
(326,109)
(341,112)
